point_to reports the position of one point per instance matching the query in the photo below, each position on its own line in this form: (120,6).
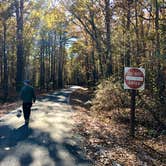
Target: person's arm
(21,94)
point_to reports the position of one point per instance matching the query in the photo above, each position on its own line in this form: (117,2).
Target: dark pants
(27,110)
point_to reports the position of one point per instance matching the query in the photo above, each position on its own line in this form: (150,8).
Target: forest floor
(106,140)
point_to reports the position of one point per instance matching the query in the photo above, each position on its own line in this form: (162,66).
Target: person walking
(28,97)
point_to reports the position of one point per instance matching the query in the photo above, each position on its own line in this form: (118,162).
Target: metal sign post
(134,79)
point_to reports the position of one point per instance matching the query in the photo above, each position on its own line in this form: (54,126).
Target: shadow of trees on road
(58,97)
(12,139)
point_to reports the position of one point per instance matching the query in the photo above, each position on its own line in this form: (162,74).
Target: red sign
(134,78)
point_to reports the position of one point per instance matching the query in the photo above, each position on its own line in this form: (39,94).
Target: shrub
(110,95)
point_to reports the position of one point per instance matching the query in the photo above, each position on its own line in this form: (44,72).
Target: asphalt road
(48,141)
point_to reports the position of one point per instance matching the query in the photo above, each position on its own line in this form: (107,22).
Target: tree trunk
(19,35)
(102,59)
(137,36)
(5,77)
(87,69)
(157,53)
(128,56)
(108,37)
(53,67)
(42,66)
(157,29)
(1,65)
(95,77)
(60,70)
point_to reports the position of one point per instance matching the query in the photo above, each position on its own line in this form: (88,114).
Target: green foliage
(110,95)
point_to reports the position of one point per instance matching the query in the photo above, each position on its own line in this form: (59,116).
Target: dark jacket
(27,94)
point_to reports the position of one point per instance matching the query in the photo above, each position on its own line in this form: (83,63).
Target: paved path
(48,141)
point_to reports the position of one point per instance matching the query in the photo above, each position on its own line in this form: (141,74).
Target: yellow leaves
(54,17)
(3,6)
(35,13)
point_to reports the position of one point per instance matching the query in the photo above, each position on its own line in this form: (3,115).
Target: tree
(19,9)
(108,37)
(5,15)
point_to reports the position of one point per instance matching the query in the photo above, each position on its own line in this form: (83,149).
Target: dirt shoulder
(106,141)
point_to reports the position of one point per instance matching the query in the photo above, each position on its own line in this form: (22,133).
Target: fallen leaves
(106,141)
(7,107)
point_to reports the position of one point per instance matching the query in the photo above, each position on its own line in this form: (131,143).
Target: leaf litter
(106,141)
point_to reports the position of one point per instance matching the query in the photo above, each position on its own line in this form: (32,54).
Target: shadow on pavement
(59,97)
(26,160)
(12,139)
(26,146)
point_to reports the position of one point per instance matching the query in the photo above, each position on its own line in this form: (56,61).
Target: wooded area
(56,43)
